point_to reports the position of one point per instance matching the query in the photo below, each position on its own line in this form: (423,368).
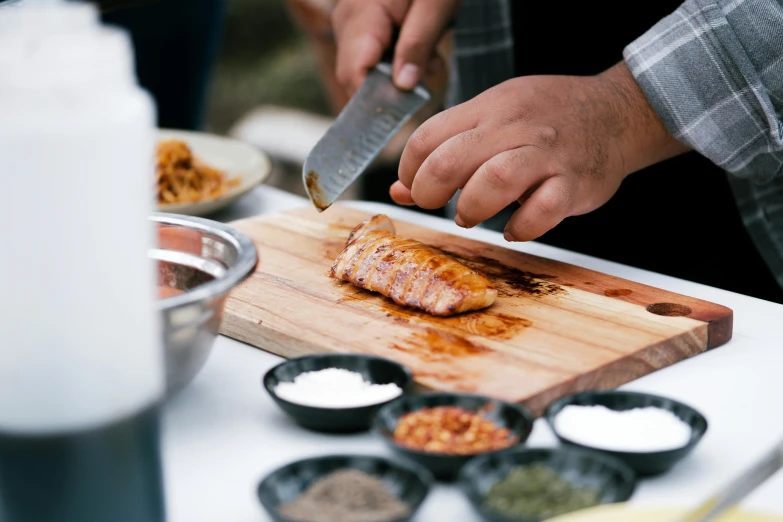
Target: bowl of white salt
(648,432)
(336,392)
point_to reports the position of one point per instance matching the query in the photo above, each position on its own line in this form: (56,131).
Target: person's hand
(363,31)
(559,145)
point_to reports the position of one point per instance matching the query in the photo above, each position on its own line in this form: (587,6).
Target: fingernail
(408,76)
(507,235)
(459,222)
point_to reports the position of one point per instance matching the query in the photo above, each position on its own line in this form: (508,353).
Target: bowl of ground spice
(344,488)
(648,432)
(442,431)
(336,393)
(531,485)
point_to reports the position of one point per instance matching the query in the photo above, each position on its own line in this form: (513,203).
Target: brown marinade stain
(488,325)
(617,292)
(316,192)
(510,281)
(432,345)
(480,323)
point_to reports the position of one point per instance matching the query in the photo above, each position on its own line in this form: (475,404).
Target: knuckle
(549,204)
(440,166)
(547,136)
(567,197)
(500,174)
(419,143)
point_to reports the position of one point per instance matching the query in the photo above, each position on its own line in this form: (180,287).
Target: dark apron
(677,217)
(175,44)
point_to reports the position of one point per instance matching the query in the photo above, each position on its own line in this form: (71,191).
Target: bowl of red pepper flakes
(443,431)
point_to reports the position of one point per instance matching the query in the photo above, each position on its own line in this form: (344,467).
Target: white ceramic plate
(232,156)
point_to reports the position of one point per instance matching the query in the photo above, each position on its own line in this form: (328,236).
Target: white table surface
(222,434)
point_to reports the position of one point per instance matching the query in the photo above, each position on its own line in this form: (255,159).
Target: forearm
(712,72)
(642,138)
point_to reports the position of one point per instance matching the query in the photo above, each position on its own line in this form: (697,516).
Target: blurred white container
(81,368)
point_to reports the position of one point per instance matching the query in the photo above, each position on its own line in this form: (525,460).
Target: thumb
(421,30)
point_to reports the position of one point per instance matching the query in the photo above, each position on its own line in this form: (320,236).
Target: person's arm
(713,72)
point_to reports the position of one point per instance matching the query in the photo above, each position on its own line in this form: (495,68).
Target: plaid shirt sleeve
(713,71)
(483,53)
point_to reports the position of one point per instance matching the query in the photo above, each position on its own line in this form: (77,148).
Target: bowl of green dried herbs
(535,484)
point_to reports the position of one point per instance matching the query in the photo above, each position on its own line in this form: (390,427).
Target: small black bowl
(644,463)
(376,370)
(445,467)
(612,477)
(408,482)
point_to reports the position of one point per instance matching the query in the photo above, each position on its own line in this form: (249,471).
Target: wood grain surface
(555,328)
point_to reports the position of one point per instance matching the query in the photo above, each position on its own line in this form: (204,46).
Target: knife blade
(738,488)
(370,119)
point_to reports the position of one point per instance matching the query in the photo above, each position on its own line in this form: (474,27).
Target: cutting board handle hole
(669,309)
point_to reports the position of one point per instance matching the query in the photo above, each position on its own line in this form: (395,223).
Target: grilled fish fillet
(409,272)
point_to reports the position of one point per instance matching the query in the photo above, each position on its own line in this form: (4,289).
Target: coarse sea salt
(637,430)
(335,388)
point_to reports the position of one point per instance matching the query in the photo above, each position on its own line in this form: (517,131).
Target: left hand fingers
(500,181)
(547,206)
(432,134)
(401,194)
(450,166)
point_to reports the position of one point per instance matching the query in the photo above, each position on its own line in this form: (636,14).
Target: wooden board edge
(596,379)
(277,342)
(720,330)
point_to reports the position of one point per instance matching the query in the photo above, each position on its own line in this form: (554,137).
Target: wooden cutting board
(555,328)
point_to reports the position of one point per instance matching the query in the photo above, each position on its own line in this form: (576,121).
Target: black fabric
(107,6)
(678,217)
(175,44)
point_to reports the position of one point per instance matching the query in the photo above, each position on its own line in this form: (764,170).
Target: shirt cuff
(699,79)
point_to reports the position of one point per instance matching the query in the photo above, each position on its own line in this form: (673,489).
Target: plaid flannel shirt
(713,72)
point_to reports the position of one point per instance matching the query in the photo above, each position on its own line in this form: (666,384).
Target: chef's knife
(371,118)
(739,487)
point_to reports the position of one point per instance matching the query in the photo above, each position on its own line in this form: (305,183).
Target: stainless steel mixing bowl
(200,261)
